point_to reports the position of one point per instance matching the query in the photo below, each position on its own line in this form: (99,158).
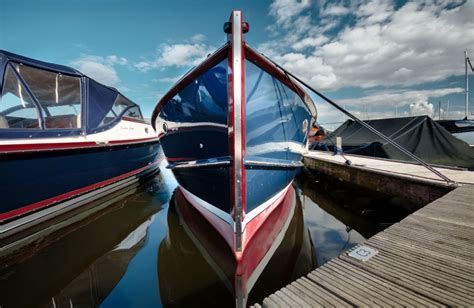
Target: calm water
(137,252)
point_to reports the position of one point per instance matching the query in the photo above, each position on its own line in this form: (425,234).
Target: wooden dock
(427,259)
(412,181)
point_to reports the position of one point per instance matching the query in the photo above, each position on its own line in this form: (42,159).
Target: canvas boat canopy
(420,135)
(40,99)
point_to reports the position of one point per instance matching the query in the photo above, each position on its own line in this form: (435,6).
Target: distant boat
(65,139)
(461,129)
(234,130)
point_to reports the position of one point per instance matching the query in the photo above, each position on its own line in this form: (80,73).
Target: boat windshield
(203,100)
(284,113)
(58,96)
(17,109)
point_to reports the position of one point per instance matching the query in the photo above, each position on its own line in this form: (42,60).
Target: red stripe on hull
(261,233)
(254,225)
(44,203)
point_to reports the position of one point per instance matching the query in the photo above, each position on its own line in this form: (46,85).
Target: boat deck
(424,260)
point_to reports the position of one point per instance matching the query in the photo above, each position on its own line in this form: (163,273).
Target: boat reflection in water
(197,267)
(82,264)
(143,250)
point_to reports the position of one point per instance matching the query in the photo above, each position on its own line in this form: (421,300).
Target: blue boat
(65,139)
(234,130)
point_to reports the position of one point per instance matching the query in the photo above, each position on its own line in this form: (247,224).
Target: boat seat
(61,121)
(4,122)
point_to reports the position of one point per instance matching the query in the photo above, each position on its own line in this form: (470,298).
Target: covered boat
(65,139)
(420,135)
(234,130)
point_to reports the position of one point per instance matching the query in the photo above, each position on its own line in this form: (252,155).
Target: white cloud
(310,42)
(385,104)
(420,42)
(113,59)
(198,38)
(335,10)
(398,97)
(100,68)
(177,55)
(285,10)
(374,11)
(309,68)
(421,108)
(166,79)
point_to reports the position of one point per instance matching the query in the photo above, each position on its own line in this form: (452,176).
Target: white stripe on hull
(124,130)
(193,199)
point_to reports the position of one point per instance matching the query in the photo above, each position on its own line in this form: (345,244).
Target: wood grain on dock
(427,259)
(403,169)
(412,181)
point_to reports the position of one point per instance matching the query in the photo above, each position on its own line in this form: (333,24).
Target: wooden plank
(304,295)
(270,302)
(427,251)
(294,298)
(363,286)
(344,290)
(431,225)
(434,275)
(320,294)
(428,223)
(425,260)
(465,219)
(415,283)
(387,287)
(414,255)
(405,169)
(436,238)
(427,245)
(286,299)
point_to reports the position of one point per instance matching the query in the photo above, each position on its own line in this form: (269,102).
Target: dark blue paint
(30,178)
(196,143)
(210,184)
(275,116)
(274,130)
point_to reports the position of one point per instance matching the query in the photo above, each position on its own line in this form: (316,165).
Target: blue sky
(368,55)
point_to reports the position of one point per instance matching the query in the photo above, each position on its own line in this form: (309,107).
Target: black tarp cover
(420,135)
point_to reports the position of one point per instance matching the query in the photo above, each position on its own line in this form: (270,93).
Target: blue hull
(276,121)
(28,178)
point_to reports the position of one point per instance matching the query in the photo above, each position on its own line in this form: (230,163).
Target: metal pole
(466,103)
(370,128)
(447,111)
(439,110)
